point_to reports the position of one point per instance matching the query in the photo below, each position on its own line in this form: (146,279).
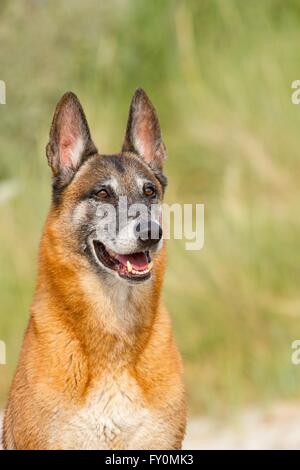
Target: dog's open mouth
(134,266)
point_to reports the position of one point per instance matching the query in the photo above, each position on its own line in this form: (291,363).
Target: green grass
(220,76)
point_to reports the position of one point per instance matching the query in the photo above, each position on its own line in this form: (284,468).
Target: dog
(99,368)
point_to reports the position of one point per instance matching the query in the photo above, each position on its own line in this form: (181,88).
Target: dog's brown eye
(149,191)
(102,194)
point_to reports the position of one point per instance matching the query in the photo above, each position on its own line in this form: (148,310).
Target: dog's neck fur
(105,318)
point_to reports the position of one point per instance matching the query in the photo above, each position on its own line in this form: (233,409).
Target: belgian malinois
(99,368)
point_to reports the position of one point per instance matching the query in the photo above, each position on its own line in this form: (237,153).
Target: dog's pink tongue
(137,260)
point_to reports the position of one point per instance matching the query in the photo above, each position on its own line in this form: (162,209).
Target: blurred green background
(219,74)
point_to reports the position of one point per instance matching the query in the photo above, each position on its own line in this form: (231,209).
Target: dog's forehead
(120,170)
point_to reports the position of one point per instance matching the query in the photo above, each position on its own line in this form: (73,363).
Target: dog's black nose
(148,232)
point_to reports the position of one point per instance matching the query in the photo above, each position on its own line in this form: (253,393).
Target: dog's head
(109,205)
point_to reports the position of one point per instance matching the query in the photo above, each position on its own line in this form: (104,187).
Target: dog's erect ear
(70,140)
(143,134)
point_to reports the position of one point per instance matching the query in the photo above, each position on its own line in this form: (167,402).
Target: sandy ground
(255,428)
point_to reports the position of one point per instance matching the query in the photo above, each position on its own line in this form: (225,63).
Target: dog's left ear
(70,141)
(143,135)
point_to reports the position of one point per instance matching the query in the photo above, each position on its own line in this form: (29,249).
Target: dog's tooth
(110,252)
(150,265)
(129,267)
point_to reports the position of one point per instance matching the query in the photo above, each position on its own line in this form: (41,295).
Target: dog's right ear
(143,135)
(70,140)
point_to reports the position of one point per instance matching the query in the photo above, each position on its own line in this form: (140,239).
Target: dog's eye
(149,190)
(102,194)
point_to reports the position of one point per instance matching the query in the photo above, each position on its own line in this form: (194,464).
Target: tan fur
(82,340)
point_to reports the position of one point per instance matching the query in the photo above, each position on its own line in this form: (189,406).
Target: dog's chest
(114,416)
